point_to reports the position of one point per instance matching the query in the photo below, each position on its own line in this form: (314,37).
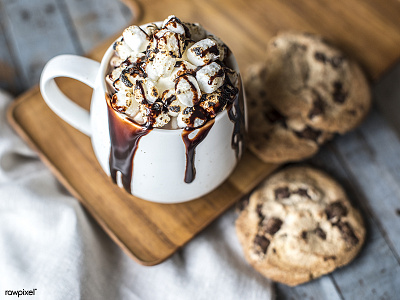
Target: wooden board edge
(21,132)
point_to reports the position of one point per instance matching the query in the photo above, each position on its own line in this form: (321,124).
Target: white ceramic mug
(160,161)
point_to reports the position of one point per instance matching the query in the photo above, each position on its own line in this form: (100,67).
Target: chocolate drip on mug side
(236,115)
(190,145)
(125,136)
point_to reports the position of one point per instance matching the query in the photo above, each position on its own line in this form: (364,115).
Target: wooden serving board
(149,232)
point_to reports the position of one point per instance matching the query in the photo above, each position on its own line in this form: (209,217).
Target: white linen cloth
(48,242)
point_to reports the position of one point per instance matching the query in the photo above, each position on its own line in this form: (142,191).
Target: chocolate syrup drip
(237,117)
(125,135)
(169,100)
(220,73)
(155,49)
(200,52)
(191,144)
(192,87)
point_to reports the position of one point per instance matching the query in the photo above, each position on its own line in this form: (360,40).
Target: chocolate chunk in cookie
(347,233)
(261,243)
(335,210)
(272,226)
(281,193)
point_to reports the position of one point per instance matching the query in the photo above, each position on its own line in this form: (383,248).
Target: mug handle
(75,67)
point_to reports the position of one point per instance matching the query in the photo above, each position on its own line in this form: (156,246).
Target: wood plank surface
(8,73)
(24,19)
(369,30)
(96,20)
(369,153)
(387,97)
(32,32)
(375,273)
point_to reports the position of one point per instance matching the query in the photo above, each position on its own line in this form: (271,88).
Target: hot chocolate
(167,113)
(172,76)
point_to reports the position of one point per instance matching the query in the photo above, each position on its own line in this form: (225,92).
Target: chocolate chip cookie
(309,77)
(274,137)
(299,225)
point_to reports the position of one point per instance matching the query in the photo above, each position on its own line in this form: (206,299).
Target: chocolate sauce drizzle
(125,135)
(213,50)
(191,144)
(236,115)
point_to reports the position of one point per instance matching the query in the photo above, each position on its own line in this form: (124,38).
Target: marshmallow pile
(173,76)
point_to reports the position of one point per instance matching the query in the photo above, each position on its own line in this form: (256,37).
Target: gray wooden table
(366,161)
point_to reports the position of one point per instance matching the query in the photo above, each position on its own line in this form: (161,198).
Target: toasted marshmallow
(233,77)
(113,76)
(182,67)
(145,91)
(163,65)
(213,103)
(203,52)
(175,108)
(191,117)
(125,82)
(168,96)
(197,32)
(210,77)
(116,61)
(161,120)
(136,38)
(158,116)
(222,48)
(150,29)
(123,85)
(132,109)
(123,99)
(168,43)
(171,74)
(160,66)
(187,90)
(172,103)
(173,24)
(122,49)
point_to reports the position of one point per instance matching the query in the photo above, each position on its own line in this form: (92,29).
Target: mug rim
(109,53)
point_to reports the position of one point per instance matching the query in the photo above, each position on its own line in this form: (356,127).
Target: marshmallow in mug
(176,74)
